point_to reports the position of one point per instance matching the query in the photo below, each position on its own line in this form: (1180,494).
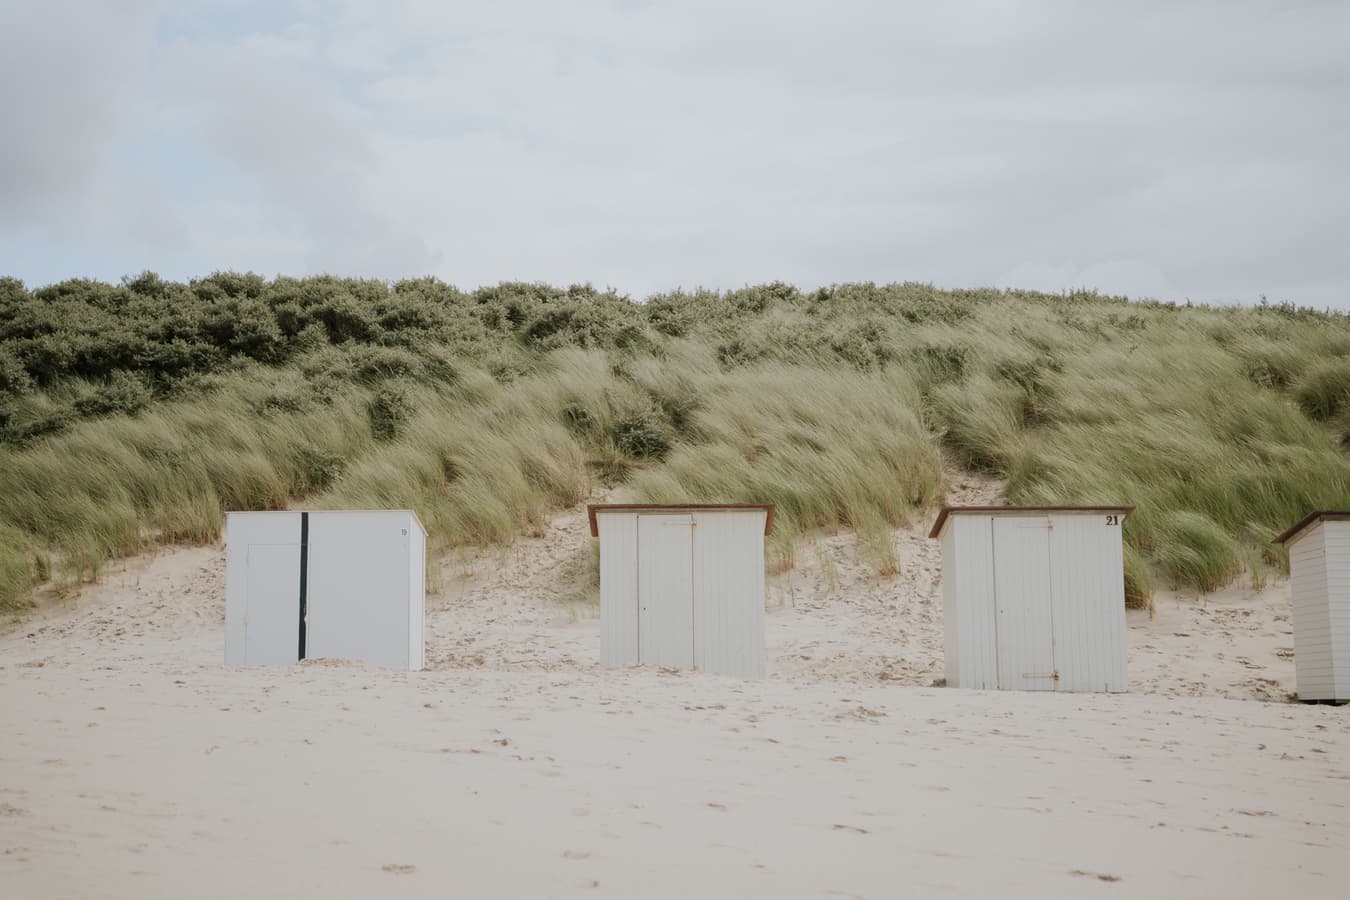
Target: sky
(1176,150)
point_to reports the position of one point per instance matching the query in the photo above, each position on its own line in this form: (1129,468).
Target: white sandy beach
(135,765)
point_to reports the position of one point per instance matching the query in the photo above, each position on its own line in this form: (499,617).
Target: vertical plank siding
(666,590)
(728,568)
(1317,572)
(1337,543)
(1026,652)
(683,589)
(1314,660)
(618,589)
(951,616)
(1088,588)
(976,624)
(1028,595)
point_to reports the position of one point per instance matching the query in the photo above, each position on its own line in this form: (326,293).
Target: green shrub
(642,434)
(1324,390)
(496,405)
(123,393)
(284,401)
(375,364)
(318,467)
(389,410)
(14,378)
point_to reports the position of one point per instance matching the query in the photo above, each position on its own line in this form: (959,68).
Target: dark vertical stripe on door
(304,578)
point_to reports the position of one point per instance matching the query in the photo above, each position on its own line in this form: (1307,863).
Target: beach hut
(1319,592)
(683,586)
(1033,597)
(340,584)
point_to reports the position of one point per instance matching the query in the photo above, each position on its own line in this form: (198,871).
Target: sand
(133,764)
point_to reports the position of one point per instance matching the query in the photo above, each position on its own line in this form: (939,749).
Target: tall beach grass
(483,411)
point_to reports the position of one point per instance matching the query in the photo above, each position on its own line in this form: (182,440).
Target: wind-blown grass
(136,414)
(117,485)
(826,447)
(1212,461)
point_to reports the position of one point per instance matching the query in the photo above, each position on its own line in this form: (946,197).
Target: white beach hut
(1033,597)
(335,584)
(1319,582)
(683,586)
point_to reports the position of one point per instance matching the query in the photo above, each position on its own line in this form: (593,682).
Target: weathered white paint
(729,593)
(1025,633)
(618,589)
(417,599)
(951,646)
(366,588)
(968,591)
(683,589)
(666,590)
(1319,572)
(262,588)
(1034,600)
(1088,594)
(1338,600)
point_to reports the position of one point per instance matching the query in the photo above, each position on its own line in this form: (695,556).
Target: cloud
(1176,150)
(69,72)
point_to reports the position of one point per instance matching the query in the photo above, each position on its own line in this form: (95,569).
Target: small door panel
(272,605)
(1026,651)
(666,590)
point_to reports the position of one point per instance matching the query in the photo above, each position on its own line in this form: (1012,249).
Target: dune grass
(117,485)
(137,414)
(828,448)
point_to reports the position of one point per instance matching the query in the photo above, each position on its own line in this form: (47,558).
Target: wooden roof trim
(1317,515)
(963,510)
(593,508)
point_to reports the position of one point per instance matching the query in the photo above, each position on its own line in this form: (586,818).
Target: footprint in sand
(1100,876)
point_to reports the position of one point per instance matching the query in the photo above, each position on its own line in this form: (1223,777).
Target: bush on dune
(137,413)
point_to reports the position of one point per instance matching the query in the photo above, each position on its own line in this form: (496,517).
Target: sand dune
(135,765)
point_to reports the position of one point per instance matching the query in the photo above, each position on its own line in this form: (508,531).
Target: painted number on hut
(1113,520)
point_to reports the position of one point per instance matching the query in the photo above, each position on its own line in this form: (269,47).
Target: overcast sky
(1176,150)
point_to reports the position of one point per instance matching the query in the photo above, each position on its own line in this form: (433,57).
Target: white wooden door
(358,587)
(272,605)
(1026,649)
(729,593)
(666,590)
